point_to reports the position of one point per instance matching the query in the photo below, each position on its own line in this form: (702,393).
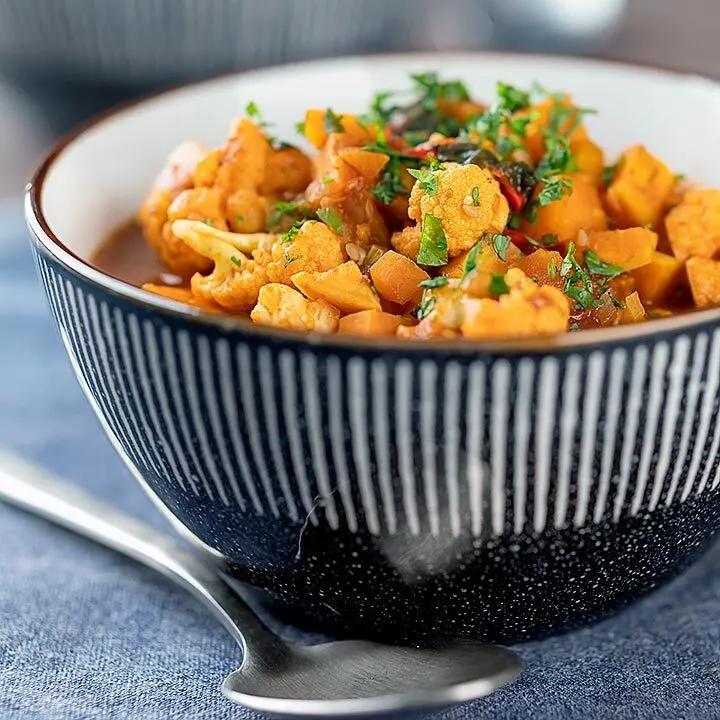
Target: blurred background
(62,61)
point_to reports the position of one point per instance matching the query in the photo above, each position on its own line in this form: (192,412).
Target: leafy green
(331,219)
(333,124)
(435,282)
(476,196)
(512,99)
(553,189)
(236,260)
(501,243)
(433,242)
(498,286)
(427,179)
(427,305)
(597,266)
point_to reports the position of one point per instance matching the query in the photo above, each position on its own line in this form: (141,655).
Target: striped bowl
(384,489)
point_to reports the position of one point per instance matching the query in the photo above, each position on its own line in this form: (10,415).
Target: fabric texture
(85,633)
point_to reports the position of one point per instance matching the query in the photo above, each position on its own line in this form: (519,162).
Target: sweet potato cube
(486,260)
(343,286)
(704,276)
(693,226)
(543,266)
(315,130)
(577,209)
(656,279)
(368,164)
(629,249)
(640,189)
(588,156)
(370,322)
(634,311)
(397,278)
(534,136)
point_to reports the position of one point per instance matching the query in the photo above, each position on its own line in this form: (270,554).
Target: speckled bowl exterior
(394,489)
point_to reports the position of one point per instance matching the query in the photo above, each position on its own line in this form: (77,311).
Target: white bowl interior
(99,179)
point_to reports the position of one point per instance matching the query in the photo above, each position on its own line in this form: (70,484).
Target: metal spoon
(338,679)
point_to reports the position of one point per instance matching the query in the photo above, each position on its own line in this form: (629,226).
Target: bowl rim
(585,339)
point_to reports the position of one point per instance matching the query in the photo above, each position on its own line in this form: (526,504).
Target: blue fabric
(85,633)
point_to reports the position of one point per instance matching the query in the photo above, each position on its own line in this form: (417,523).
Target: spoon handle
(35,490)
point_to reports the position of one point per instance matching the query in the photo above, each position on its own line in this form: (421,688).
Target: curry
(433,215)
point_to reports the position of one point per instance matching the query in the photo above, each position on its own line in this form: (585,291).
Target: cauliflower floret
(468,201)
(314,247)
(175,176)
(407,241)
(235,281)
(288,170)
(203,204)
(526,310)
(281,306)
(244,158)
(247,212)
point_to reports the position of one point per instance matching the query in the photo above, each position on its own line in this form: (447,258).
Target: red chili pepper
(519,239)
(423,151)
(515,199)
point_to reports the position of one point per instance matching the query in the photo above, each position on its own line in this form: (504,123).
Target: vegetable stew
(431,216)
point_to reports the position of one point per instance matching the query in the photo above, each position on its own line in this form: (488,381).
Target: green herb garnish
(239,219)
(289,258)
(327,180)
(476,196)
(333,123)
(281,210)
(512,99)
(498,286)
(236,260)
(300,127)
(608,173)
(427,179)
(597,266)
(553,189)
(435,282)
(471,259)
(433,242)
(252,110)
(427,305)
(290,235)
(331,219)
(501,244)
(552,269)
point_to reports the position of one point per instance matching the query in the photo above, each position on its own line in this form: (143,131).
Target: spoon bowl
(355,678)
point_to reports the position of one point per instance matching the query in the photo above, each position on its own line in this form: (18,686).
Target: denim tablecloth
(87,634)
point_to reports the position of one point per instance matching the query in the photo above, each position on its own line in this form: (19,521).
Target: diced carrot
(634,311)
(704,276)
(661,275)
(397,278)
(629,249)
(588,157)
(315,130)
(639,191)
(693,226)
(370,322)
(543,266)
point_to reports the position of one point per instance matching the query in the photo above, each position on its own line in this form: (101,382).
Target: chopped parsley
(597,266)
(290,235)
(333,123)
(618,303)
(471,259)
(518,125)
(608,173)
(553,189)
(435,282)
(501,243)
(327,180)
(236,260)
(489,123)
(512,99)
(391,183)
(558,159)
(427,305)
(433,242)
(281,210)
(679,177)
(208,221)
(252,110)
(498,286)
(239,219)
(476,196)
(433,89)
(291,258)
(331,219)
(514,221)
(427,179)
(300,127)
(549,239)
(552,269)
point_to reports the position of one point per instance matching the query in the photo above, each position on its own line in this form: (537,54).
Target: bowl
(391,489)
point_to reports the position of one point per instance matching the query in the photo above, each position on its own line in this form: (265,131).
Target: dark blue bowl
(401,490)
